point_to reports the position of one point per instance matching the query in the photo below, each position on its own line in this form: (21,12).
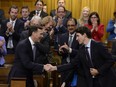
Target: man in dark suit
(11,29)
(44,45)
(60,27)
(2,16)
(61,3)
(93,68)
(25,57)
(69,44)
(39,9)
(25,16)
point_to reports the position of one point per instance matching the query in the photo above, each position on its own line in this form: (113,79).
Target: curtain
(105,8)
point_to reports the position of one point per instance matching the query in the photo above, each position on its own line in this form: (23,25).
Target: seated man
(61,3)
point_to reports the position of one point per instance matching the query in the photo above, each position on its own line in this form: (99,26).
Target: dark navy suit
(24,65)
(102,61)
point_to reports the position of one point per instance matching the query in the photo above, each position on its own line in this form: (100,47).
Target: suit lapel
(29,48)
(92,50)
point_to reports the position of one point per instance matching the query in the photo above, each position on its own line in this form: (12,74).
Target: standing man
(93,62)
(68,45)
(11,29)
(61,3)
(25,57)
(38,9)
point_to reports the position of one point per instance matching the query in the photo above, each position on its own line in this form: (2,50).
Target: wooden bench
(4,71)
(18,82)
(4,85)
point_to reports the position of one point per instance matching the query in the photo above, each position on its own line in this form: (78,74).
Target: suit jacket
(24,20)
(114,47)
(24,64)
(75,46)
(43,47)
(58,31)
(18,28)
(42,15)
(102,61)
(68,13)
(1,15)
(110,28)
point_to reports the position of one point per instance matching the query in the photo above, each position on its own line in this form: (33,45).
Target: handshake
(49,68)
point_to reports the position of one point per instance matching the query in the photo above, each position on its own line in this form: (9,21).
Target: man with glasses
(61,3)
(60,28)
(68,45)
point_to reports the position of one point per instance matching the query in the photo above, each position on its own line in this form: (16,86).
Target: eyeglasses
(93,17)
(60,11)
(70,25)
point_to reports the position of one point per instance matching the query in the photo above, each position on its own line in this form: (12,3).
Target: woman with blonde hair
(84,17)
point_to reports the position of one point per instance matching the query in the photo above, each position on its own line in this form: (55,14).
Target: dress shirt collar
(13,22)
(88,44)
(72,34)
(31,41)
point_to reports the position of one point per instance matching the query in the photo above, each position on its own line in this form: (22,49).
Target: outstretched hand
(49,68)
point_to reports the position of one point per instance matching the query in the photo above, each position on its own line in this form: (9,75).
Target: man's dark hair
(84,30)
(13,6)
(62,7)
(33,29)
(24,7)
(75,20)
(39,1)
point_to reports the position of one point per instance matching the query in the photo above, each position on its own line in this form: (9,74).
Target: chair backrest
(9,58)
(4,71)
(4,85)
(41,80)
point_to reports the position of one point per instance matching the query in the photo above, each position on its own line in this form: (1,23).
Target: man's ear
(85,34)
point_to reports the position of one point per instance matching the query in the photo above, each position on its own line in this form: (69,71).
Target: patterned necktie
(70,40)
(69,43)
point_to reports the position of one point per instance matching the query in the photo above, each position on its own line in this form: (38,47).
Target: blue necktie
(74,81)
